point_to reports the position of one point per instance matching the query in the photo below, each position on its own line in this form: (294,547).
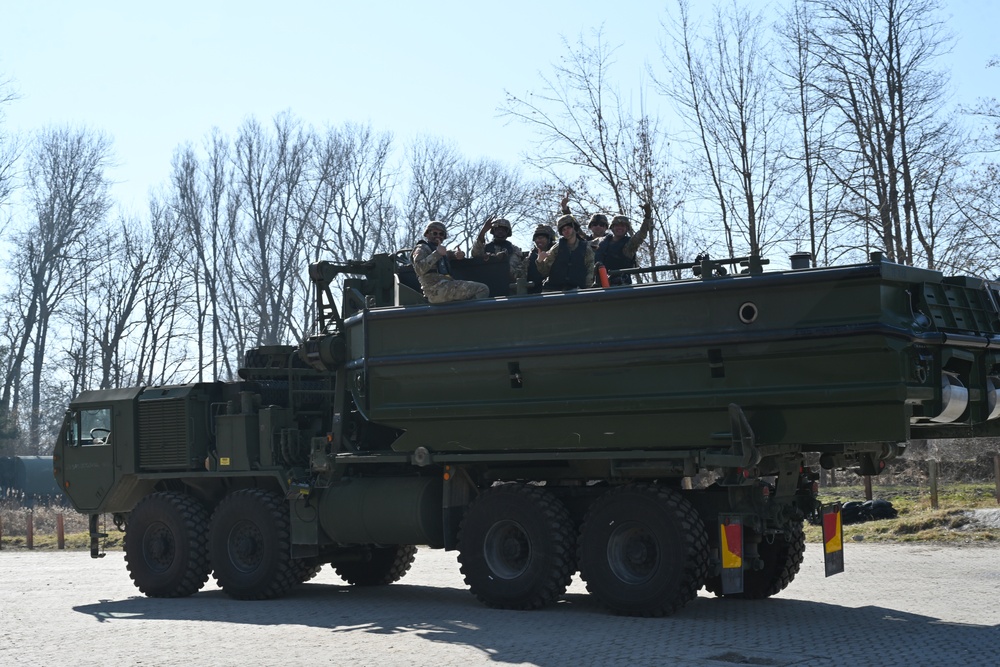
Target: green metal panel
(813,357)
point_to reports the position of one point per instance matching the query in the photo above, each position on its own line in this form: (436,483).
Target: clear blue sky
(154,75)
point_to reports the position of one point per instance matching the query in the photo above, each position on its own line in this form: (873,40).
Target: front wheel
(515,547)
(643,550)
(250,546)
(166,550)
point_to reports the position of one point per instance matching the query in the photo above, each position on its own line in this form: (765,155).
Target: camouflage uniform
(620,253)
(433,272)
(497,249)
(529,269)
(583,276)
(595,240)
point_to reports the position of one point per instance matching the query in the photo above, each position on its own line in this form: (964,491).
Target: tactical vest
(442,266)
(569,269)
(493,247)
(612,255)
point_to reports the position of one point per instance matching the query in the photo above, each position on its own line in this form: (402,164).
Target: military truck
(539,435)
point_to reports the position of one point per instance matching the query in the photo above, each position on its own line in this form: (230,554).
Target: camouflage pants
(455,290)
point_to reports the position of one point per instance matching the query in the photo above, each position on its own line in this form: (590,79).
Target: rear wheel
(377,566)
(166,550)
(515,547)
(782,555)
(250,546)
(643,551)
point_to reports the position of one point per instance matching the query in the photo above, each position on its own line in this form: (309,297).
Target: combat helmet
(568,219)
(435,224)
(620,220)
(544,230)
(598,219)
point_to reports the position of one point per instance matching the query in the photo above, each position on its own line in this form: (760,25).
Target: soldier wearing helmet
(618,250)
(597,226)
(569,264)
(542,240)
(500,248)
(431,264)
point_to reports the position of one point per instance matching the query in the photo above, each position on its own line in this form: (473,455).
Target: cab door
(85,459)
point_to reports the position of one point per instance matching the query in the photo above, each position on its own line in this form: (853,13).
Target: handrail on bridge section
(704,267)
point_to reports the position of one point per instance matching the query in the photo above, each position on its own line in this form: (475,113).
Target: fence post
(31,530)
(60,533)
(996,474)
(933,470)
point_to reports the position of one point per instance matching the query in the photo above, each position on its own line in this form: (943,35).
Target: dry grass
(14,527)
(917,520)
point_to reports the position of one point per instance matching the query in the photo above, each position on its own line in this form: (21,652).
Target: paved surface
(895,605)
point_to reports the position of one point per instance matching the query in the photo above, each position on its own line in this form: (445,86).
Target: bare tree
(269,169)
(446,186)
(69,198)
(10,148)
(199,193)
(355,216)
(581,124)
(891,144)
(591,144)
(725,85)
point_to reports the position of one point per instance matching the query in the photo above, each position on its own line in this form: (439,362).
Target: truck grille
(163,435)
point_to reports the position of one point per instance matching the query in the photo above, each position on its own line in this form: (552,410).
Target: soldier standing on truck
(618,250)
(500,248)
(542,239)
(597,227)
(569,264)
(431,263)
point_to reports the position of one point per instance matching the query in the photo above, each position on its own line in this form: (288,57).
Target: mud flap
(731,552)
(833,539)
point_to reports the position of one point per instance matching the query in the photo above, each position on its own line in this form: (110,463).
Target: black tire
(782,558)
(166,546)
(643,551)
(305,569)
(515,547)
(250,546)
(379,566)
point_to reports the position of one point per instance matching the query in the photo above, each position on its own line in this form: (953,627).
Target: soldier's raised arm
(647,224)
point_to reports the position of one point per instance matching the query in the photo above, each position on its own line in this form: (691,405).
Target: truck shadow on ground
(707,631)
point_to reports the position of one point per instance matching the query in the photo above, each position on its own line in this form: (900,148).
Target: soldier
(543,239)
(598,228)
(500,248)
(430,261)
(598,225)
(618,250)
(570,263)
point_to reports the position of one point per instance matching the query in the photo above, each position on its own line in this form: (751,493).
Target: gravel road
(895,605)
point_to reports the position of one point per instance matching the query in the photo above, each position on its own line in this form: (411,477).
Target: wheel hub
(158,547)
(507,549)
(632,553)
(245,550)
